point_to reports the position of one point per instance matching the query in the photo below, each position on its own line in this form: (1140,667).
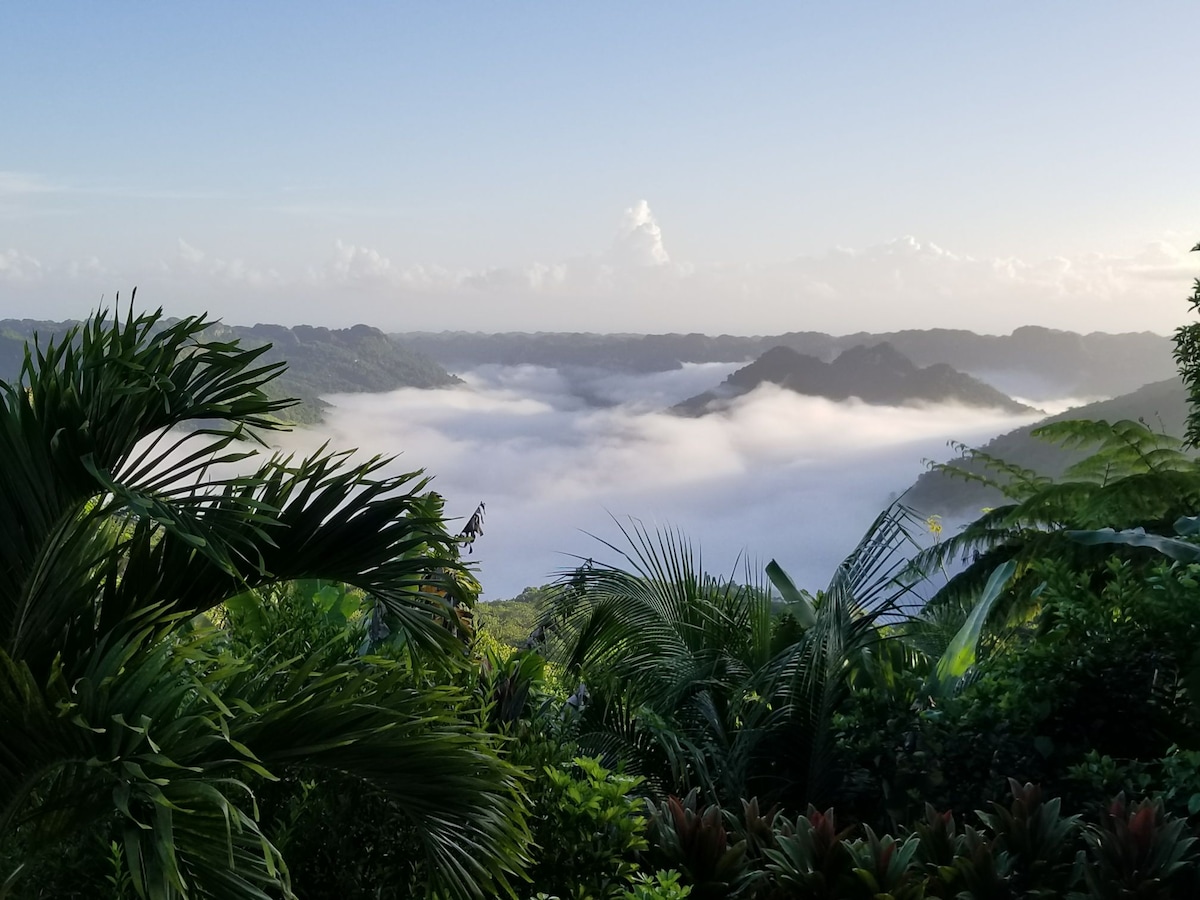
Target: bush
(585,821)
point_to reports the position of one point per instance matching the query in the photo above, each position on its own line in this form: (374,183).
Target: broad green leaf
(327,598)
(1173,548)
(799,600)
(960,655)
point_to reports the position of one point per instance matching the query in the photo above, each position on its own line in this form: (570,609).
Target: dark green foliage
(1173,780)
(940,846)
(345,839)
(1187,358)
(886,867)
(128,717)
(513,622)
(510,684)
(1038,839)
(712,683)
(1106,665)
(588,828)
(1162,406)
(811,858)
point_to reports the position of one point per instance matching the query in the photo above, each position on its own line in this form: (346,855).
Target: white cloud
(189,254)
(360,263)
(192,263)
(16,266)
(639,241)
(636,286)
(782,475)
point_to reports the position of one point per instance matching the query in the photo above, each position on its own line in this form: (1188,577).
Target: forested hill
(339,361)
(877,374)
(1035,362)
(1162,406)
(320,360)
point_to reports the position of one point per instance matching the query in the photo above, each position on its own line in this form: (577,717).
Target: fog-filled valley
(752,447)
(556,454)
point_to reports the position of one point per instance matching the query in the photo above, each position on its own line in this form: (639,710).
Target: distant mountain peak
(875,356)
(878,374)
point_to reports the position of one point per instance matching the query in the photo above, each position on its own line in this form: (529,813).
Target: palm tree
(125,713)
(716,683)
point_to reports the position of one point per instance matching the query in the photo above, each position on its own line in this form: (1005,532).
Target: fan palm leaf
(122,715)
(658,638)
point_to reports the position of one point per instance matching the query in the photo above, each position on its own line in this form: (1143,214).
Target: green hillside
(511,622)
(1161,405)
(320,360)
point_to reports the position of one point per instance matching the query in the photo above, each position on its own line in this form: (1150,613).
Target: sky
(745,168)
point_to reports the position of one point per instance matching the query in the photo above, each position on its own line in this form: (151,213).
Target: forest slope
(320,360)
(1161,405)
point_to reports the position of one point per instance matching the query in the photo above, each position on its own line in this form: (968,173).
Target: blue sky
(669,166)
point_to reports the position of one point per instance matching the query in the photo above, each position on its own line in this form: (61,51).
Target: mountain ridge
(1032,361)
(1162,405)
(876,374)
(320,360)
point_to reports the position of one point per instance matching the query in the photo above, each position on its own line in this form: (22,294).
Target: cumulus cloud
(192,262)
(16,266)
(639,241)
(360,263)
(781,475)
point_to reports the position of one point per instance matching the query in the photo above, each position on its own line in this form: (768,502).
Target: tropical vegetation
(140,724)
(226,677)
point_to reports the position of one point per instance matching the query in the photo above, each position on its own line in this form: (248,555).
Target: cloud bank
(781,476)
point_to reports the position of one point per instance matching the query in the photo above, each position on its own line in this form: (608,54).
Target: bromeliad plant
(1138,851)
(127,517)
(1038,839)
(811,858)
(692,838)
(886,867)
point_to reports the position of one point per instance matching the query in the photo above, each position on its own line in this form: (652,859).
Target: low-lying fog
(556,455)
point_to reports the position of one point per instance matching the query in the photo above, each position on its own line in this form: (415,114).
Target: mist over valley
(769,451)
(556,455)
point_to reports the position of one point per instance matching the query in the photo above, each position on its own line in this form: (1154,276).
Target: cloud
(639,241)
(13,184)
(360,263)
(193,263)
(782,475)
(635,285)
(16,266)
